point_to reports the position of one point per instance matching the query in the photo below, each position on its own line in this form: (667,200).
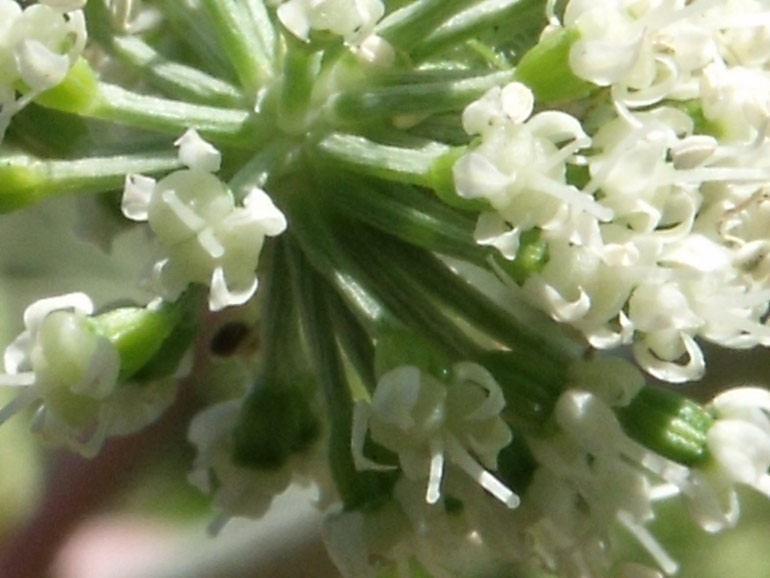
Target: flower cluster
(207,238)
(651,203)
(38,46)
(69,365)
(424,421)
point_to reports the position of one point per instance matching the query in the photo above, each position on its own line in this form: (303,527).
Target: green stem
(280,342)
(191,26)
(233,26)
(175,79)
(466,302)
(482,21)
(407,26)
(262,24)
(224,125)
(354,341)
(413,99)
(323,250)
(355,488)
(407,213)
(272,161)
(27,180)
(391,163)
(300,69)
(382,301)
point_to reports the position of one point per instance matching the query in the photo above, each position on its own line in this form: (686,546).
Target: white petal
(741,449)
(294,16)
(197,153)
(517,102)
(671,371)
(221,296)
(137,192)
(40,68)
(262,209)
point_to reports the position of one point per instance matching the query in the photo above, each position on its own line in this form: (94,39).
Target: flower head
(64,366)
(426,422)
(38,46)
(206,238)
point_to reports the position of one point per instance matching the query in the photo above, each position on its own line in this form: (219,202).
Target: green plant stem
(355,488)
(407,213)
(27,180)
(405,27)
(177,80)
(482,20)
(195,32)
(392,163)
(234,28)
(300,69)
(412,99)
(222,125)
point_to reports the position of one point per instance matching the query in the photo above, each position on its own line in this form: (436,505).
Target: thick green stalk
(300,68)
(177,80)
(190,25)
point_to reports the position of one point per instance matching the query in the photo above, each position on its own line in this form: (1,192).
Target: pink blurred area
(115,547)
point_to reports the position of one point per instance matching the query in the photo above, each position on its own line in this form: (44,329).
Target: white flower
(427,422)
(354,20)
(238,491)
(739,439)
(648,50)
(65,368)
(519,167)
(38,46)
(207,239)
(592,477)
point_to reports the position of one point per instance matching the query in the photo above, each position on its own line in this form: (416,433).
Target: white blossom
(427,423)
(64,368)
(739,440)
(240,490)
(38,46)
(206,238)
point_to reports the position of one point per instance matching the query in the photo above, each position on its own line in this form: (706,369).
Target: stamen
(470,466)
(648,541)
(433,493)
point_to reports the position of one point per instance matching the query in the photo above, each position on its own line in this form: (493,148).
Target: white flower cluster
(591,482)
(425,422)
(69,373)
(206,238)
(664,240)
(38,46)
(592,477)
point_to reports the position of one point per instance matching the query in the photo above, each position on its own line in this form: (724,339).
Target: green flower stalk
(477,242)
